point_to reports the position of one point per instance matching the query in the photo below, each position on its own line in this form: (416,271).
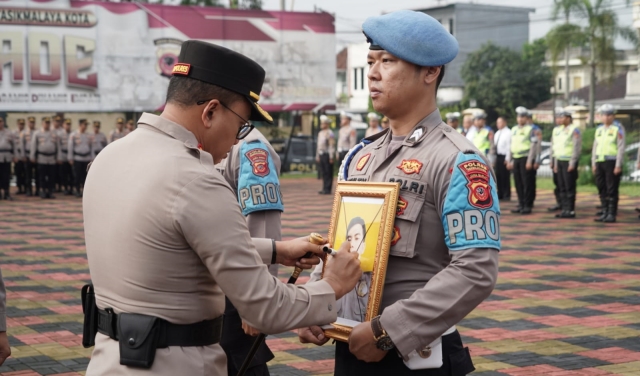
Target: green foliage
(251,4)
(500,79)
(562,37)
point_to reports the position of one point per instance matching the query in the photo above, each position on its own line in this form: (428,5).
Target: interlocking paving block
(567,301)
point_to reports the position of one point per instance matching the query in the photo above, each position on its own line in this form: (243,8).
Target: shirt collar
(170,128)
(419,132)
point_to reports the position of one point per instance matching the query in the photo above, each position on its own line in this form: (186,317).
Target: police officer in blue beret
(444,253)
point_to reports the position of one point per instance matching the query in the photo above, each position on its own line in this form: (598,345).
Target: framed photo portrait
(363,214)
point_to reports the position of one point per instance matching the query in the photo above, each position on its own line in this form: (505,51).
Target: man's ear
(207,112)
(431,74)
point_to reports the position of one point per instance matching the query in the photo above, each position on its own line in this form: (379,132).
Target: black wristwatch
(383,341)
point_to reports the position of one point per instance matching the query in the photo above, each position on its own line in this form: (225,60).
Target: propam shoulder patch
(258,184)
(471,212)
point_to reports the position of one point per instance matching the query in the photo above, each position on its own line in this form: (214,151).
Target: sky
(350,14)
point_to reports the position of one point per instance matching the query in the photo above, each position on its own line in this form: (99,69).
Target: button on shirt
(503,141)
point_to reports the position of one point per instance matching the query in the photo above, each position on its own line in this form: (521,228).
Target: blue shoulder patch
(258,184)
(471,212)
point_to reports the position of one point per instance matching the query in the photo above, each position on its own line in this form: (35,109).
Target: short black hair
(440,77)
(358,221)
(186,91)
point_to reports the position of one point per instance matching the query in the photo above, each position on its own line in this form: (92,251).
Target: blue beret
(411,36)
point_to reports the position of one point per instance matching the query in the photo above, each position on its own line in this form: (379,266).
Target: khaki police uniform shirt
(116,135)
(44,147)
(346,138)
(430,283)
(63,144)
(79,147)
(25,142)
(165,237)
(3,305)
(326,143)
(98,142)
(265,223)
(8,145)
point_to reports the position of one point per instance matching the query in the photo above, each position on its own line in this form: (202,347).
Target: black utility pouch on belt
(90,310)
(138,338)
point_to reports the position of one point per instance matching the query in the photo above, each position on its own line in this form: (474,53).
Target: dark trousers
(20,171)
(5,177)
(608,182)
(567,185)
(341,156)
(456,361)
(236,344)
(65,176)
(326,170)
(31,174)
(525,182)
(503,177)
(46,175)
(80,174)
(556,190)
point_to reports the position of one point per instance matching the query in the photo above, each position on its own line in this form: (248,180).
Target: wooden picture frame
(363,212)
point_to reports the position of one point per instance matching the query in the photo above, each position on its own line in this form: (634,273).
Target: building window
(560,84)
(361,78)
(451,25)
(577,83)
(355,78)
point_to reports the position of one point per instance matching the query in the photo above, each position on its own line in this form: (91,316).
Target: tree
(564,37)
(205,3)
(500,79)
(252,4)
(601,32)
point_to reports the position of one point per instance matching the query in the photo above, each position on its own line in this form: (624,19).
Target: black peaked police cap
(223,67)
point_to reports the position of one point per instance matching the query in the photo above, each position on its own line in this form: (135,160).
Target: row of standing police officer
(55,158)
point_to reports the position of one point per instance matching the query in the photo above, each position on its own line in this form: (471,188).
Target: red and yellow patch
(395,236)
(181,69)
(410,166)
(363,161)
(259,159)
(477,175)
(402,206)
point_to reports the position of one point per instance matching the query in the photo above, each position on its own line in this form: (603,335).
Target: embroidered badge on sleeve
(258,184)
(470,214)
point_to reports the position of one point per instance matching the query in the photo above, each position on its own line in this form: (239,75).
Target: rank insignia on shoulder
(402,206)
(259,159)
(363,161)
(415,136)
(477,174)
(410,166)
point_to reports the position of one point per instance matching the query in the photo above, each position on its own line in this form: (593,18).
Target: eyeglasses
(246,127)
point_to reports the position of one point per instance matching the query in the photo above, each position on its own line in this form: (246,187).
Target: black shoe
(638,210)
(526,211)
(601,218)
(29,194)
(68,193)
(51,196)
(77,194)
(567,214)
(516,210)
(43,195)
(322,192)
(601,212)
(20,192)
(599,206)
(610,218)
(554,208)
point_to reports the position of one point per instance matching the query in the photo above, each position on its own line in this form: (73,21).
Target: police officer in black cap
(166,239)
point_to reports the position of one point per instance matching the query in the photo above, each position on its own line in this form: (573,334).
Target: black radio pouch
(90,310)
(138,338)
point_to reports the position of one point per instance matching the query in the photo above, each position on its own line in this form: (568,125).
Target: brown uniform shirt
(8,145)
(116,135)
(346,138)
(98,142)
(441,266)
(165,237)
(79,147)
(326,142)
(25,142)
(44,147)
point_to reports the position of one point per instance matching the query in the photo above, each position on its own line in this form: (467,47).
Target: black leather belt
(202,333)
(81,154)
(6,151)
(46,154)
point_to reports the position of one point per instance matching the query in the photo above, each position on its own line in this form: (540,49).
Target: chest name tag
(258,184)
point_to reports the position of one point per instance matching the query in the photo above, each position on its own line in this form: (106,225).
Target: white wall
(357,70)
